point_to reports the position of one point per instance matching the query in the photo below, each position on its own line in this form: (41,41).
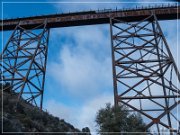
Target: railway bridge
(145,76)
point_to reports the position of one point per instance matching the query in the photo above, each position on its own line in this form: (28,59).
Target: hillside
(27,118)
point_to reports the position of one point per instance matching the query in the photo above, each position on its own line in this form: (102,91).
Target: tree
(109,119)
(86,131)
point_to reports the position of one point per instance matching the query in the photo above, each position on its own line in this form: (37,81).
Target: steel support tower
(145,76)
(24,63)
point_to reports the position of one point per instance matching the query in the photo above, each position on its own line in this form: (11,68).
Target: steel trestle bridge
(145,76)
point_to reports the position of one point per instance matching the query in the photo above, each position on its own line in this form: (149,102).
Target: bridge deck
(91,17)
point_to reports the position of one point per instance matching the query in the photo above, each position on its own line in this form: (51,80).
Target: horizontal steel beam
(148,97)
(91,17)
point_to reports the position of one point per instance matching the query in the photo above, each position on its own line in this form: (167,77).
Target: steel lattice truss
(24,62)
(145,76)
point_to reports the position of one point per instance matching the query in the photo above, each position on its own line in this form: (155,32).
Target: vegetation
(109,119)
(27,118)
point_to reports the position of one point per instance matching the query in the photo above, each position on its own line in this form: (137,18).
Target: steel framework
(23,62)
(145,76)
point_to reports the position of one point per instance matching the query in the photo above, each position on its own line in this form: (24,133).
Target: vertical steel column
(145,75)
(113,68)
(24,61)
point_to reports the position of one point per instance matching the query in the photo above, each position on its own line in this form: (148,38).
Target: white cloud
(58,109)
(83,66)
(83,116)
(83,69)
(90,109)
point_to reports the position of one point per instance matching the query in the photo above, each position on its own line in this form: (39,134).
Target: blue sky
(79,74)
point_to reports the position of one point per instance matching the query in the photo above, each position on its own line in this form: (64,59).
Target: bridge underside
(145,76)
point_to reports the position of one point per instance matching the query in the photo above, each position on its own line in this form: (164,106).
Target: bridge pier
(23,62)
(145,73)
